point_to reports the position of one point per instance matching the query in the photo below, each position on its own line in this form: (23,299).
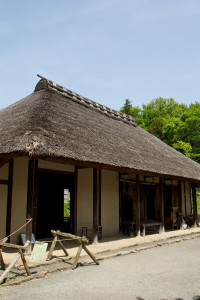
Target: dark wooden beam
(185,198)
(120,204)
(4,181)
(162,204)
(74,205)
(137,197)
(180,202)
(78,163)
(95,207)
(194,199)
(31,195)
(9,198)
(99,198)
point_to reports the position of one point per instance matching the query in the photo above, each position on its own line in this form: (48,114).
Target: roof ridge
(84,101)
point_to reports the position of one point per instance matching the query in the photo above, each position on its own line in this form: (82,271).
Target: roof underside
(53,123)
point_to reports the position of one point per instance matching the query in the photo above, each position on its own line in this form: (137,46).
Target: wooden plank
(137,197)
(9,198)
(95,207)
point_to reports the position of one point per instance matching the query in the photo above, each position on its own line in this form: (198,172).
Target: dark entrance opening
(127,201)
(54,203)
(150,198)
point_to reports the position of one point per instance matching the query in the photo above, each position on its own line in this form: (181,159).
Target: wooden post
(95,206)
(162,205)
(137,197)
(31,196)
(99,198)
(74,209)
(194,198)
(9,198)
(120,206)
(180,203)
(185,199)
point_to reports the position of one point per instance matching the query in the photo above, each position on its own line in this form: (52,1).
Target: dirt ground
(167,272)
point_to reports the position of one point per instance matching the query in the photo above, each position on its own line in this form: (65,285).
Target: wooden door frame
(73,208)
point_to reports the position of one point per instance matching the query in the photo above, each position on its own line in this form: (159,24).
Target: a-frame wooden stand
(21,250)
(81,240)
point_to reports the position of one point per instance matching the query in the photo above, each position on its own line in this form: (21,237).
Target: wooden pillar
(180,203)
(99,198)
(162,204)
(9,198)
(194,199)
(137,197)
(74,213)
(185,199)
(95,204)
(31,195)
(120,206)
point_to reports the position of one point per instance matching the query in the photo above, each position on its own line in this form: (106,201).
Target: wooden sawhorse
(81,240)
(21,250)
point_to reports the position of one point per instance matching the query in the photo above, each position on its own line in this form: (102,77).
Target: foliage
(183,147)
(176,124)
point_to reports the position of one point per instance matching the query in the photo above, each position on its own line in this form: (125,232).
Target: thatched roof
(55,123)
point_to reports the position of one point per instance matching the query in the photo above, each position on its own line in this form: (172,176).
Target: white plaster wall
(43,164)
(19,196)
(84,199)
(110,203)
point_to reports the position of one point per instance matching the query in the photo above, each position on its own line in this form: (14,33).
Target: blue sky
(105,50)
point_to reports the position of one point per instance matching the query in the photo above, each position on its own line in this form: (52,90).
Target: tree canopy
(176,124)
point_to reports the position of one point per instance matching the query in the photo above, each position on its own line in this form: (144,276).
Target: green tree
(126,108)
(183,147)
(176,124)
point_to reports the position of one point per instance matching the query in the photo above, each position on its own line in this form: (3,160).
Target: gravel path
(167,272)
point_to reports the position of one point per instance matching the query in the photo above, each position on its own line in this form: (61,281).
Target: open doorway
(54,203)
(148,203)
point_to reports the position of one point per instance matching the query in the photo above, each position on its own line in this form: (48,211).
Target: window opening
(66,215)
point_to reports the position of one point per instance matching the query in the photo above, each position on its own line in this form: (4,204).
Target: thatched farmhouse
(77,166)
